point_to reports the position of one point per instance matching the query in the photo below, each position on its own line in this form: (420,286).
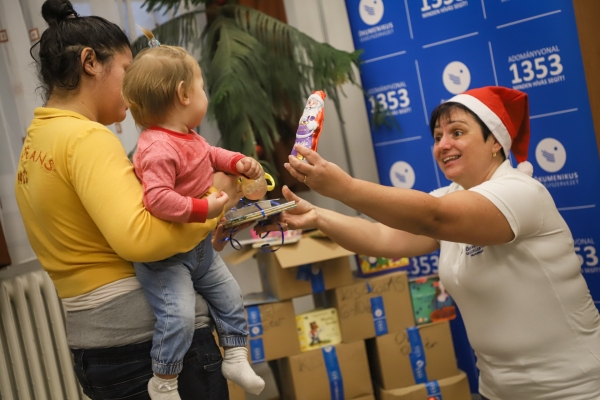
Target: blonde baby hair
(151,81)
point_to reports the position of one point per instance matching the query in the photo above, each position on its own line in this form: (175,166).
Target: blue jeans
(170,287)
(123,372)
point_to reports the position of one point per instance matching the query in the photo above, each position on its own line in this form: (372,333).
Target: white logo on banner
(371,11)
(456,77)
(402,175)
(550,155)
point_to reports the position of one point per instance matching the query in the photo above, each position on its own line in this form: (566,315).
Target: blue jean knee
(223,295)
(168,287)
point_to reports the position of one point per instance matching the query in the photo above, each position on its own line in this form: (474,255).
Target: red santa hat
(506,113)
(318,95)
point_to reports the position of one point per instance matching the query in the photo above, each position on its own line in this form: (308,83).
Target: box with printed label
(371,306)
(431,302)
(310,265)
(453,388)
(415,355)
(318,328)
(272,330)
(333,372)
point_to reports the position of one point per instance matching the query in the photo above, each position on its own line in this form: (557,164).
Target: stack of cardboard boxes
(378,351)
(404,358)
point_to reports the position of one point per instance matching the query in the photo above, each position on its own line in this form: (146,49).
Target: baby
(164,90)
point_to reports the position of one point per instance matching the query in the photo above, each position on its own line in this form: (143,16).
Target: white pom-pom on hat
(526,168)
(505,112)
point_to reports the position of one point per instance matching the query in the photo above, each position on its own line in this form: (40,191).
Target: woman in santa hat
(506,254)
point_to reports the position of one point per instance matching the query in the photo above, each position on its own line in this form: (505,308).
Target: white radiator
(35,361)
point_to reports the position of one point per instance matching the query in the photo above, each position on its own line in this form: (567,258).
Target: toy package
(256,211)
(431,302)
(311,122)
(370,266)
(318,328)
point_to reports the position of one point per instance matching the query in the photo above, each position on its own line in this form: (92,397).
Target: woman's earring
(493,154)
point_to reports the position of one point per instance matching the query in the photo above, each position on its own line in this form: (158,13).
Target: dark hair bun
(55,11)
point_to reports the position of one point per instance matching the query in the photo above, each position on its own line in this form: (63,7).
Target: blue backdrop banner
(419,53)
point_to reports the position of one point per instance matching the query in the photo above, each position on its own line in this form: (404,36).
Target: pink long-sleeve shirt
(176,171)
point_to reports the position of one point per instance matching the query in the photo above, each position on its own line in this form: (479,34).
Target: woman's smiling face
(461,152)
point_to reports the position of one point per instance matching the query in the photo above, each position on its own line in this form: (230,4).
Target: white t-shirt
(526,307)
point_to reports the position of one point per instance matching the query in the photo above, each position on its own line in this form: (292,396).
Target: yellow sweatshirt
(82,205)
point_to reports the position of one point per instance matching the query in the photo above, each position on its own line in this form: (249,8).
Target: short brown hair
(151,81)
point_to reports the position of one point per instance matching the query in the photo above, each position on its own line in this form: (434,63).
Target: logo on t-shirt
(473,250)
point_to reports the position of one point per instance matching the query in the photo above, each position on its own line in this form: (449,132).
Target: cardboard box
(235,392)
(453,388)
(311,265)
(273,332)
(318,329)
(372,306)
(342,369)
(369,266)
(415,355)
(431,302)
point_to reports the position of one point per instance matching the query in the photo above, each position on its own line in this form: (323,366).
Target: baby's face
(198,100)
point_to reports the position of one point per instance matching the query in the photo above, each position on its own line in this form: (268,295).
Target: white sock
(163,389)
(236,368)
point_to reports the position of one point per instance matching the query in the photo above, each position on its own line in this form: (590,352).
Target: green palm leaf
(183,30)
(264,70)
(168,5)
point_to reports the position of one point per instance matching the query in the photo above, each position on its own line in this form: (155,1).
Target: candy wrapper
(311,122)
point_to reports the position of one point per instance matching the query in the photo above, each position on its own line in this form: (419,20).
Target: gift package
(318,328)
(431,302)
(369,266)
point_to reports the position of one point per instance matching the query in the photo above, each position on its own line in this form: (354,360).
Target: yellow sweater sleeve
(104,180)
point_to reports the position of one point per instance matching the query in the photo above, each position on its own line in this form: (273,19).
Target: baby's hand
(249,167)
(216,202)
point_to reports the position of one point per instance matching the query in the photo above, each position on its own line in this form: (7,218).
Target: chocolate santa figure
(311,122)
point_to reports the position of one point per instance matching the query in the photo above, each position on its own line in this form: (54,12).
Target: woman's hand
(319,174)
(303,216)
(220,234)
(228,184)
